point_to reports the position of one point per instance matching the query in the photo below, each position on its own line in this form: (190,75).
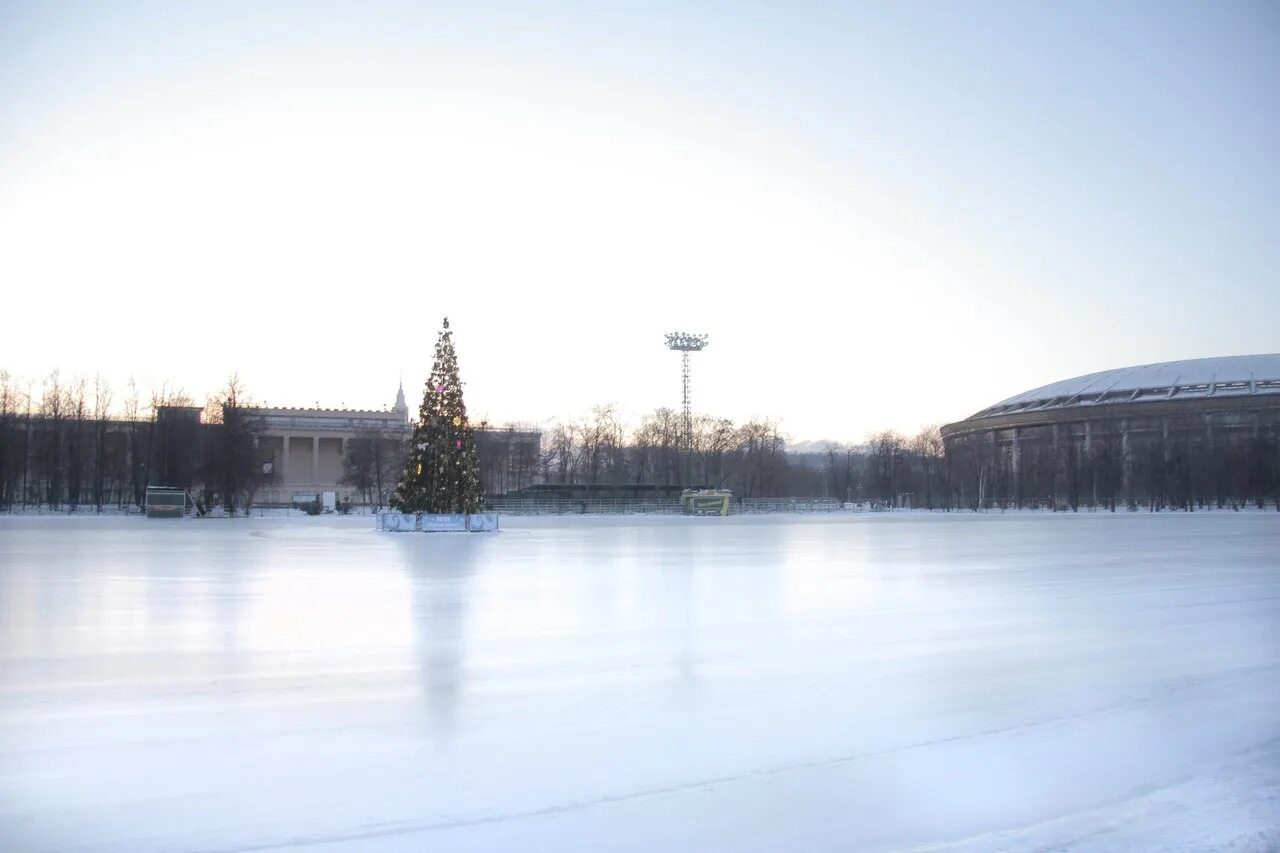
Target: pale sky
(883,214)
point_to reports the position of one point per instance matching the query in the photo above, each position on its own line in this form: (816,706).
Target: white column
(342,457)
(284,460)
(1126,464)
(315,460)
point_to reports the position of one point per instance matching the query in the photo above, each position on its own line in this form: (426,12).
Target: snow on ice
(855,682)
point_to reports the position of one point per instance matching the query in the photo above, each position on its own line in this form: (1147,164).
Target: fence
(594,506)
(755,505)
(658,506)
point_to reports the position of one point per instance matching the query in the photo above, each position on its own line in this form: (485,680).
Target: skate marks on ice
(1226,806)
(1213,806)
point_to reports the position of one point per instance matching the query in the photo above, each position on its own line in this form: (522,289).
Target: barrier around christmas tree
(405,522)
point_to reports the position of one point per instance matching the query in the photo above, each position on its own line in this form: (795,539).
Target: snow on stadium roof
(1232,375)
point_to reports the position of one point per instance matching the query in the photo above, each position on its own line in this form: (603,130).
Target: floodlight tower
(685,343)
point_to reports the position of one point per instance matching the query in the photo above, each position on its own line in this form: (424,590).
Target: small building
(166,502)
(705,501)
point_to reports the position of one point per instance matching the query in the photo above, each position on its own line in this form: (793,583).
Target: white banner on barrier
(397,522)
(482,522)
(443,523)
(448,523)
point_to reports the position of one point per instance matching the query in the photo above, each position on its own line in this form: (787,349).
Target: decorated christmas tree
(442,474)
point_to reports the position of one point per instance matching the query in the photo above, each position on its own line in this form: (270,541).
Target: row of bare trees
(751,459)
(73,442)
(65,443)
(903,471)
(601,450)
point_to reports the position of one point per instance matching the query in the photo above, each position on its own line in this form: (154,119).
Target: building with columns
(1181,434)
(303,451)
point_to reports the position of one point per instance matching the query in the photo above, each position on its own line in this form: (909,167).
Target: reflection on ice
(885,682)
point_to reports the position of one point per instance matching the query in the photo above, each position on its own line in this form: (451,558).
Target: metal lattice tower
(686,410)
(685,343)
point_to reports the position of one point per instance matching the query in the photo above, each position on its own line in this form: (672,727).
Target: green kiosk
(166,502)
(705,501)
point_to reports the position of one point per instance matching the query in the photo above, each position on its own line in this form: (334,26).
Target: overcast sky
(883,214)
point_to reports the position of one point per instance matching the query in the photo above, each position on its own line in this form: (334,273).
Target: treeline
(601,450)
(73,443)
(901,471)
(750,458)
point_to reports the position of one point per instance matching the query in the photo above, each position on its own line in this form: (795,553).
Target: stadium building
(1186,434)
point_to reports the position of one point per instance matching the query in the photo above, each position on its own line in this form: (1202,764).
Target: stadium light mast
(685,343)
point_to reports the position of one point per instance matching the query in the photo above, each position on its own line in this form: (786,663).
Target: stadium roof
(1200,378)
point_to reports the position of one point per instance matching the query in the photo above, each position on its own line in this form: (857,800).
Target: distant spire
(401,406)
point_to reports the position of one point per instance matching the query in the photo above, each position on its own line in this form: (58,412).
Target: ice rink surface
(863,682)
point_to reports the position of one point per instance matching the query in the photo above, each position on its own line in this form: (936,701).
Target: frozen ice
(893,681)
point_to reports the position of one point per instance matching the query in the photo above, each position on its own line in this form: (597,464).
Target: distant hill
(805,448)
(820,446)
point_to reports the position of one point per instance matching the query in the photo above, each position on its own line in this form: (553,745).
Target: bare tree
(761,449)
(171,453)
(714,440)
(49,473)
(372,465)
(232,464)
(930,454)
(659,437)
(101,422)
(885,465)
(841,464)
(135,458)
(13,441)
(559,456)
(599,440)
